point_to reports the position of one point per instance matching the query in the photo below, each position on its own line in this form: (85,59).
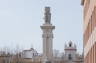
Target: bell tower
(47,36)
(70,51)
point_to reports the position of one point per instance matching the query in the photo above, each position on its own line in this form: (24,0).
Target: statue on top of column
(47,15)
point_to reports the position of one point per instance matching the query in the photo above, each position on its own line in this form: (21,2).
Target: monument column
(47,36)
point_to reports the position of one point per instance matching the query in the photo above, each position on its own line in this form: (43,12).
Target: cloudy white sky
(20,22)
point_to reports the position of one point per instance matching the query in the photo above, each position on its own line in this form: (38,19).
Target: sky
(20,22)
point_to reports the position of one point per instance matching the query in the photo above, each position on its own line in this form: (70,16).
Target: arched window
(70,57)
(70,45)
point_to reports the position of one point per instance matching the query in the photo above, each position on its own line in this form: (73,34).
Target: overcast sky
(20,22)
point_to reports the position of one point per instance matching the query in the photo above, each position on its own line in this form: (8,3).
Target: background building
(70,51)
(71,55)
(89,31)
(31,53)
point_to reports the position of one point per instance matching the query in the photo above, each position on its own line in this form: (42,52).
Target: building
(89,30)
(31,53)
(71,55)
(70,51)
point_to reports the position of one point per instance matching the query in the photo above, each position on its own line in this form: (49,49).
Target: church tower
(70,51)
(47,35)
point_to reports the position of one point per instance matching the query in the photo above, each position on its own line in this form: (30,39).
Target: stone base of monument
(45,60)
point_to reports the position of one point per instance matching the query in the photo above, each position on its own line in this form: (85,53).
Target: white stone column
(47,36)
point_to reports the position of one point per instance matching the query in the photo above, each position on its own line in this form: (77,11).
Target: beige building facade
(89,30)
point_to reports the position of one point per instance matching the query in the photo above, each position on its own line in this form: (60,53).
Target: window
(70,45)
(70,57)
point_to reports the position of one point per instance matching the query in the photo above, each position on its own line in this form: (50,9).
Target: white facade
(31,53)
(70,51)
